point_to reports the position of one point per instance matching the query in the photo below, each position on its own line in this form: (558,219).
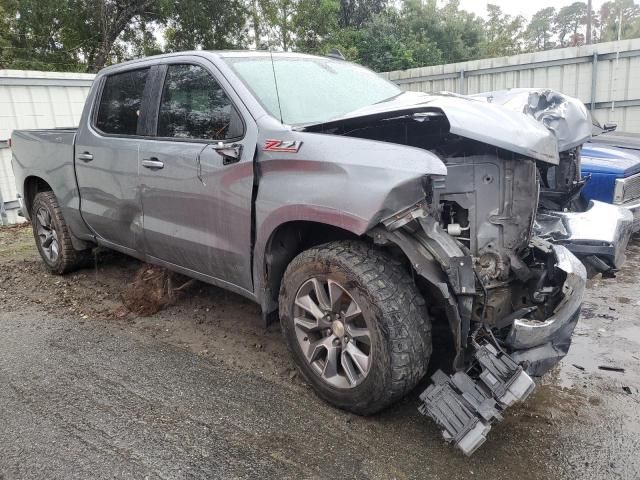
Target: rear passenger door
(197,176)
(107,159)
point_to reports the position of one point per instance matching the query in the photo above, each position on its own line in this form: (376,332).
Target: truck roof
(214,53)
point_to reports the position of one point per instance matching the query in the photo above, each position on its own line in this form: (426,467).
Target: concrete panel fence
(605,76)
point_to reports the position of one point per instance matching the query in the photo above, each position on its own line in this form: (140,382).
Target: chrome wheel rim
(47,235)
(332,333)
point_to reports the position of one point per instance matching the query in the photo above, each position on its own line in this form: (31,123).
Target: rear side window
(193,105)
(119,109)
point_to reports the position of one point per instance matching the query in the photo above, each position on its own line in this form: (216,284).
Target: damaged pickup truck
(378,224)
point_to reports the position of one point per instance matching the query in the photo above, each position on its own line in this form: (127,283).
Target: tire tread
(402,308)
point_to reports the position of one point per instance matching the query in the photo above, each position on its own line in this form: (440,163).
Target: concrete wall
(31,99)
(605,76)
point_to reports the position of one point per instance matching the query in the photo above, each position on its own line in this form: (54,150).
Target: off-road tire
(401,330)
(68,258)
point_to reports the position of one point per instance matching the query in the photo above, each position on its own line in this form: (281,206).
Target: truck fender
(343,182)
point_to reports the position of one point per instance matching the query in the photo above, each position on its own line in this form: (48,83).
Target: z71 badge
(288,146)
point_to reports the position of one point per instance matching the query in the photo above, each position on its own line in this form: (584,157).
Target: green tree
(540,30)
(503,33)
(98,24)
(456,33)
(356,13)
(568,21)
(5,38)
(278,22)
(207,24)
(76,34)
(612,13)
(313,22)
(36,32)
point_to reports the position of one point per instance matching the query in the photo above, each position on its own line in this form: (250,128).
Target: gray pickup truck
(379,224)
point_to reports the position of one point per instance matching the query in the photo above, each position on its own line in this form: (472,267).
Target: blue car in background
(613,162)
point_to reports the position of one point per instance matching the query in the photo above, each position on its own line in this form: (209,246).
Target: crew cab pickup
(376,223)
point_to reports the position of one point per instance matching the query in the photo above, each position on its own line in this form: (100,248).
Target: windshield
(312,90)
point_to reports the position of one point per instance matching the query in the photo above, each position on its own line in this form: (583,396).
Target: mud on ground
(582,422)
(207,320)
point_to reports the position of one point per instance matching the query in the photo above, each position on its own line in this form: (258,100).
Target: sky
(520,7)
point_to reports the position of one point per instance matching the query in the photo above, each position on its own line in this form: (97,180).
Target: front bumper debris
(598,236)
(466,404)
(539,345)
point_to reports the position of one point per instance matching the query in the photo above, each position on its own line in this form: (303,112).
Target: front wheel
(356,325)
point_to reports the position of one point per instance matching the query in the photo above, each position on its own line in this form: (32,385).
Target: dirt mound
(152,289)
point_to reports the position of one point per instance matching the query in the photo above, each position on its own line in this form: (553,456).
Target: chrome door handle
(85,157)
(152,163)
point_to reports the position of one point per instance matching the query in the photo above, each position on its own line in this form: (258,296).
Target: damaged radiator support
(465,404)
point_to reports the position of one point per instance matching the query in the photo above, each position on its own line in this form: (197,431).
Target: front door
(107,160)
(196,178)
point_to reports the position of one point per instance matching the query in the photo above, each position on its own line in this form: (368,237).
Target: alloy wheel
(332,332)
(47,235)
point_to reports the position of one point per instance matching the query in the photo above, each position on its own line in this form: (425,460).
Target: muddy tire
(52,236)
(356,325)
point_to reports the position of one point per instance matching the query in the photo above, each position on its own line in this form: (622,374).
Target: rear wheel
(356,325)
(52,235)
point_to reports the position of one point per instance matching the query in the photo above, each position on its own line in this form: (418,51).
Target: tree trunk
(256,23)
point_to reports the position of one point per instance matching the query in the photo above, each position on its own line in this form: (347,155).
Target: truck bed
(47,153)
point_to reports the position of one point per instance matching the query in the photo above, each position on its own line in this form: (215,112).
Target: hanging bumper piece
(465,404)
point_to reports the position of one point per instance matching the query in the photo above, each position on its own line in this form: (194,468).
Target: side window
(119,108)
(193,105)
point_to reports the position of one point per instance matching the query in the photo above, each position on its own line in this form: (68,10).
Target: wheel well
(33,186)
(286,242)
(291,239)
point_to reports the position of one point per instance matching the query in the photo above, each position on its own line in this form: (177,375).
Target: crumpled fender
(346,182)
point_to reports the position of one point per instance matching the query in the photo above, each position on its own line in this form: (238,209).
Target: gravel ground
(89,389)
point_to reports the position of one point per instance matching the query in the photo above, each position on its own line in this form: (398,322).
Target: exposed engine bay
(484,213)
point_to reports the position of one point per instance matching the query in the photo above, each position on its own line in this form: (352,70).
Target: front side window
(119,108)
(193,105)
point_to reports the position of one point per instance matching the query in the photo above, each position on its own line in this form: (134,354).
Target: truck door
(107,160)
(196,176)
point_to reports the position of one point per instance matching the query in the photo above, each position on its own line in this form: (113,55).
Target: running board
(465,404)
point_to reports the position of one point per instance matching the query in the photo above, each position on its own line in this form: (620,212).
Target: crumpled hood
(468,117)
(566,117)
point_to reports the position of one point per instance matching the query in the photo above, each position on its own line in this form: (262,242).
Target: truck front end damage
(492,242)
(597,233)
(511,310)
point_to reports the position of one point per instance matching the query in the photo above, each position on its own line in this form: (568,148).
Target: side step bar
(465,404)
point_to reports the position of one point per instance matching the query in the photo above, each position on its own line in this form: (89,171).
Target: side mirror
(609,126)
(230,152)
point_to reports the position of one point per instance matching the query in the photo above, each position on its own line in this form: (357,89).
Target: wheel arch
(281,246)
(33,185)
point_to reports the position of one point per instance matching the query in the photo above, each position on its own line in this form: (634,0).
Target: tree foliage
(85,35)
(540,30)
(619,16)
(205,24)
(502,33)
